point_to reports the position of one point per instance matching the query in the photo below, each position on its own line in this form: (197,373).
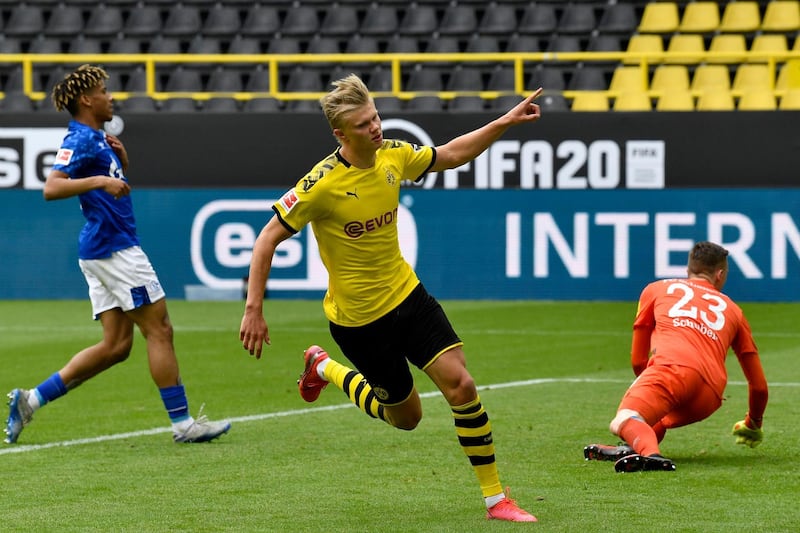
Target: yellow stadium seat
(790,101)
(740,17)
(716,100)
(766,44)
(633,101)
(628,79)
(758,100)
(781,16)
(650,44)
(796,47)
(659,17)
(711,77)
(789,76)
(675,100)
(732,45)
(685,43)
(751,76)
(700,17)
(590,101)
(668,78)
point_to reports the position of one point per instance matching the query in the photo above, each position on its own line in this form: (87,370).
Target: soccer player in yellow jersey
(380,314)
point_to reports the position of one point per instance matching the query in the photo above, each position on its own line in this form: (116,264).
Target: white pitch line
(297,412)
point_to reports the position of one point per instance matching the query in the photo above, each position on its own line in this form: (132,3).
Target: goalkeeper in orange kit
(681,336)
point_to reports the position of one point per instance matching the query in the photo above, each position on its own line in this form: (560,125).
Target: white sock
(491,501)
(34,399)
(321,368)
(183,425)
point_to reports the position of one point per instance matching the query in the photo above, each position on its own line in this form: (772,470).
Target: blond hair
(349,94)
(67,91)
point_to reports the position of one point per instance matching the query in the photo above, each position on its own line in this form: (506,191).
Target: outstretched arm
(467,147)
(254,332)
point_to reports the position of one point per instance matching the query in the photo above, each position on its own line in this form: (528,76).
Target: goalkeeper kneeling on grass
(681,336)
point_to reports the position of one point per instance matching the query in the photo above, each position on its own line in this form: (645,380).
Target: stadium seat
(790,101)
(136,81)
(458,19)
(750,77)
(183,80)
(263,104)
(258,81)
(139,104)
(64,20)
(659,17)
(425,104)
(732,45)
(619,18)
(553,102)
(260,21)
(203,45)
(304,80)
(424,79)
(713,77)
(466,104)
(757,100)
(465,78)
(590,101)
(220,104)
(564,43)
(538,19)
(500,19)
(222,21)
(700,17)
(179,105)
(504,102)
(84,45)
(300,20)
(443,45)
(650,44)
(16,102)
(522,43)
(419,20)
(633,101)
(104,21)
(402,44)
(379,20)
(144,21)
(501,79)
(685,49)
(388,104)
(788,76)
(740,17)
(25,21)
(675,100)
(10,45)
(781,16)
(380,79)
(766,45)
(577,19)
(225,80)
(362,44)
(715,100)
(628,80)
(339,21)
(588,78)
(670,78)
(550,78)
(182,21)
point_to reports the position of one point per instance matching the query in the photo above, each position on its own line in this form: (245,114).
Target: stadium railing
(521,62)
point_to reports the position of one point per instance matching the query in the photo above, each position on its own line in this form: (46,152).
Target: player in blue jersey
(123,287)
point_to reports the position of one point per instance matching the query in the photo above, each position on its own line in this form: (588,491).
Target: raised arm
(467,147)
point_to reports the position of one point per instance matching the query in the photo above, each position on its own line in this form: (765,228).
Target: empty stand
(628,80)
(588,78)
(418,20)
(64,20)
(25,21)
(766,44)
(380,20)
(731,46)
(182,21)
(339,21)
(675,100)
(670,78)
(458,19)
(619,18)
(577,19)
(300,20)
(224,80)
(144,21)
(633,101)
(757,100)
(465,78)
(686,49)
(498,19)
(260,21)
(222,21)
(711,77)
(716,100)
(790,101)
(104,21)
(751,77)
(538,19)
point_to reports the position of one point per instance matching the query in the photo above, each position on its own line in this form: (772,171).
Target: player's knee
(622,416)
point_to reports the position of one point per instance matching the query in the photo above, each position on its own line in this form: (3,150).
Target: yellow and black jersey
(353,213)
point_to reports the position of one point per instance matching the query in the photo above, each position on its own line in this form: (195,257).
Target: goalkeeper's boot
(310,384)
(508,510)
(603,452)
(20,414)
(644,463)
(201,430)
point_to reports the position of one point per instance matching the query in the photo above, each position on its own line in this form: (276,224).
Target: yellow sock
(475,436)
(355,388)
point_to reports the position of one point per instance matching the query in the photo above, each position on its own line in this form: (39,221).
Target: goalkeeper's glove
(746,435)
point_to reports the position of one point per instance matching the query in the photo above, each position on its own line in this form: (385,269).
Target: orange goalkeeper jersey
(690,323)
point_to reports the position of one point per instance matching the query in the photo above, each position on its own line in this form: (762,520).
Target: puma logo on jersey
(354,194)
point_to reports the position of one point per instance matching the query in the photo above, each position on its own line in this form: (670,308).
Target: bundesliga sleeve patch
(288,200)
(64,156)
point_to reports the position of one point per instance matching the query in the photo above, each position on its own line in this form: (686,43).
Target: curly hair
(67,91)
(349,94)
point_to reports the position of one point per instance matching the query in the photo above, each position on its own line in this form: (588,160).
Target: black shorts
(416,331)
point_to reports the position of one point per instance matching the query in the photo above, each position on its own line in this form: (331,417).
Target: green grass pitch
(551,375)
